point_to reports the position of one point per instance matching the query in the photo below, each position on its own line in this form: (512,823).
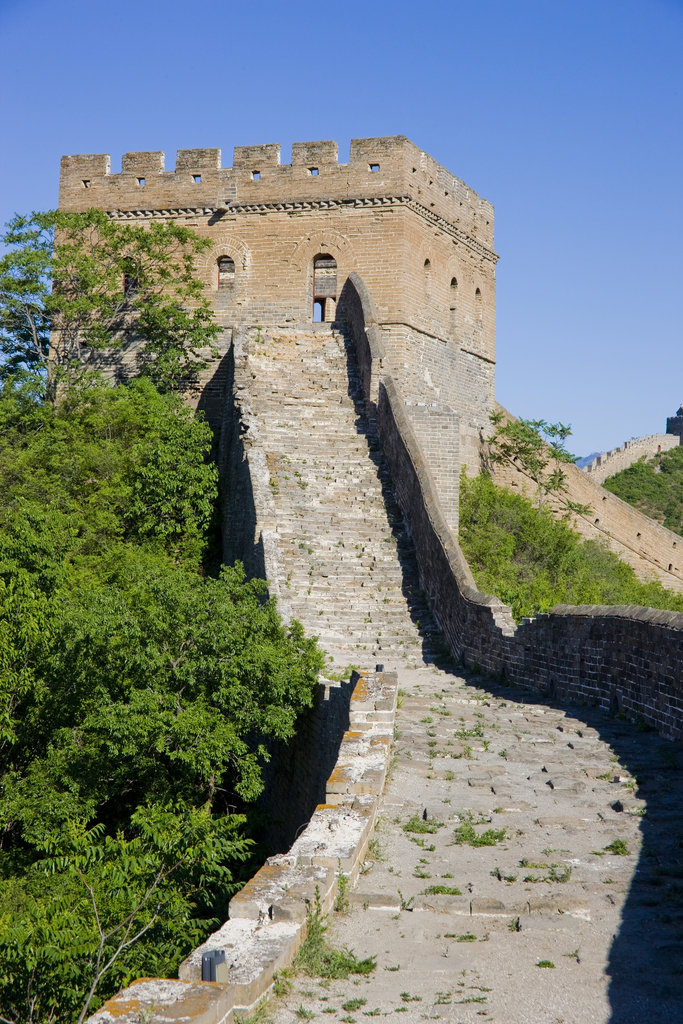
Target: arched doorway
(324,288)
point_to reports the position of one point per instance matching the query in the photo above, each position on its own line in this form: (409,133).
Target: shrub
(532,561)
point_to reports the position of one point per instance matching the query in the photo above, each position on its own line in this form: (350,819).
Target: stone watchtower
(674,424)
(295,245)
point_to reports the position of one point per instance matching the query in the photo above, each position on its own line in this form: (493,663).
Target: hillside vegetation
(532,561)
(139,680)
(655,487)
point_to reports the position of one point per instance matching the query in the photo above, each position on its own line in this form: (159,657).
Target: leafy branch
(538,448)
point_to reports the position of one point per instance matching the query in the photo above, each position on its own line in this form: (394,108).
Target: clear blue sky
(566,114)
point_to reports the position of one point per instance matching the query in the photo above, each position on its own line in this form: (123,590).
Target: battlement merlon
(389,166)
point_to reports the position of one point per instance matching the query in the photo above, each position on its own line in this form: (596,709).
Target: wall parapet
(621,658)
(268,917)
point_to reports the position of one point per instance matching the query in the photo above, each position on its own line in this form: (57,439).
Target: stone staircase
(346,557)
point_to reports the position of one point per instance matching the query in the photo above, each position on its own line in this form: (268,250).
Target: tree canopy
(74,285)
(140,681)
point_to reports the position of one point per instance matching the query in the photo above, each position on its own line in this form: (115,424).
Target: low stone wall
(268,917)
(296,777)
(620,657)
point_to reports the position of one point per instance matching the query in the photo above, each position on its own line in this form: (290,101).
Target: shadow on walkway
(645,966)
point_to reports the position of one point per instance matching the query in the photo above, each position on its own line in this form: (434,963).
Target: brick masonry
(419,237)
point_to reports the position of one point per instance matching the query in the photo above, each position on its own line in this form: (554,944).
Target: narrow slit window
(374,168)
(256,175)
(478,315)
(324,288)
(226,272)
(454,293)
(197,179)
(313,171)
(141,182)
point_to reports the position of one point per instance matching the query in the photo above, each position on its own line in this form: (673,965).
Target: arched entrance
(324,288)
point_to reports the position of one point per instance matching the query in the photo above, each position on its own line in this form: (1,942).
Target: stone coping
(268,917)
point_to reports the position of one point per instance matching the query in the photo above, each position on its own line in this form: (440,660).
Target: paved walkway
(558,884)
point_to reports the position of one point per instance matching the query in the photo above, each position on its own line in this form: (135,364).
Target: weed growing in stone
(351,1005)
(420,825)
(376,850)
(405,904)
(282,982)
(497,873)
(304,1014)
(466,836)
(619,848)
(407,998)
(319,960)
(545,963)
(440,890)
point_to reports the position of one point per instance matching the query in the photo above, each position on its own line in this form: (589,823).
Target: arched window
(454,292)
(478,316)
(226,271)
(324,288)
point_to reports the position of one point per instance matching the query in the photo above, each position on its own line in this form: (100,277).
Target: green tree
(73,285)
(139,687)
(103,894)
(539,449)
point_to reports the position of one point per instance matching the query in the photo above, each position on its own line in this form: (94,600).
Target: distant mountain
(586,459)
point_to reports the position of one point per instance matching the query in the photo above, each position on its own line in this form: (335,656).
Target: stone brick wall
(618,658)
(296,777)
(419,237)
(608,463)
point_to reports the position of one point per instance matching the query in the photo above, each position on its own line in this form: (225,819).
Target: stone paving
(529,812)
(347,559)
(575,875)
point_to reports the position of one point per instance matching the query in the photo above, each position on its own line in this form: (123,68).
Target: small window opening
(130,284)
(414,169)
(637,535)
(197,179)
(374,167)
(313,171)
(256,175)
(427,265)
(141,182)
(671,565)
(597,521)
(324,288)
(478,306)
(86,183)
(454,293)
(226,271)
